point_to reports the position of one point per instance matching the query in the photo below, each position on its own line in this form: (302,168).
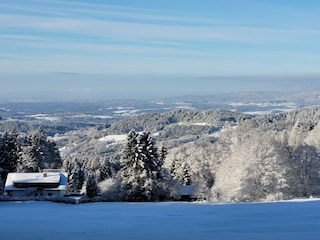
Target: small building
(42,184)
(187,193)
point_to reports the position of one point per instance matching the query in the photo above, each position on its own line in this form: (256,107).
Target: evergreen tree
(181,171)
(9,153)
(163,153)
(52,158)
(1,184)
(108,169)
(68,165)
(76,178)
(11,150)
(92,186)
(29,160)
(38,153)
(140,168)
(130,150)
(186,174)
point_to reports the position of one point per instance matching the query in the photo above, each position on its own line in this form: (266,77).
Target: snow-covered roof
(20,181)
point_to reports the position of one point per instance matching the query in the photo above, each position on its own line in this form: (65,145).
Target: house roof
(47,180)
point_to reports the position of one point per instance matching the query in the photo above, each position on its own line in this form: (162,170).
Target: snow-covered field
(45,220)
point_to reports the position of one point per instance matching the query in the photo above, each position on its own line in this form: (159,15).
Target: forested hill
(172,128)
(269,157)
(229,156)
(154,123)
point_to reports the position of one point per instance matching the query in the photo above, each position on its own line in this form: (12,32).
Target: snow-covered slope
(268,157)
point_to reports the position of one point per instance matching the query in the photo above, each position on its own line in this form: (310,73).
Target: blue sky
(145,48)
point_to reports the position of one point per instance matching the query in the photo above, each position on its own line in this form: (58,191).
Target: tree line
(269,157)
(138,175)
(32,153)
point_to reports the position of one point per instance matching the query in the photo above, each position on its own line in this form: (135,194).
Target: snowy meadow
(46,220)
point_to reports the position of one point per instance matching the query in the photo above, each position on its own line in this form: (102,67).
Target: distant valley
(60,117)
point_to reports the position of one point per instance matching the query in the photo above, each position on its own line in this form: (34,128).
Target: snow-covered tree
(108,169)
(38,153)
(1,182)
(9,153)
(52,158)
(163,153)
(92,186)
(304,171)
(265,177)
(31,155)
(76,178)
(180,170)
(140,168)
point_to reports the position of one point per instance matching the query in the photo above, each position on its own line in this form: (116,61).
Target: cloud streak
(66,36)
(106,29)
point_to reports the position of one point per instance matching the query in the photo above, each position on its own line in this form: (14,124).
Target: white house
(46,184)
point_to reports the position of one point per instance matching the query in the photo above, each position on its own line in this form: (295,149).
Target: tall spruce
(1,183)
(163,153)
(76,177)
(38,153)
(92,186)
(181,171)
(9,153)
(140,168)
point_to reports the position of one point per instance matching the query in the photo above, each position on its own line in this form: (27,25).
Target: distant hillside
(232,156)
(61,117)
(177,126)
(269,157)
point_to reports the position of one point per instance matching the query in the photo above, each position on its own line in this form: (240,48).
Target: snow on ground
(113,138)
(52,221)
(45,117)
(290,105)
(274,110)
(91,116)
(194,124)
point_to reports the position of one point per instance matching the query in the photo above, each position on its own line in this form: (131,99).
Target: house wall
(53,193)
(33,192)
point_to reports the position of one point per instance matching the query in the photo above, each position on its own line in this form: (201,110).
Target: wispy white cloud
(90,10)
(123,23)
(70,36)
(160,32)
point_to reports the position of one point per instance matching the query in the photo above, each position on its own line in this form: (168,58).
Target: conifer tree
(92,186)
(1,184)
(181,171)
(108,169)
(9,153)
(163,153)
(38,153)
(140,167)
(31,156)
(76,178)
